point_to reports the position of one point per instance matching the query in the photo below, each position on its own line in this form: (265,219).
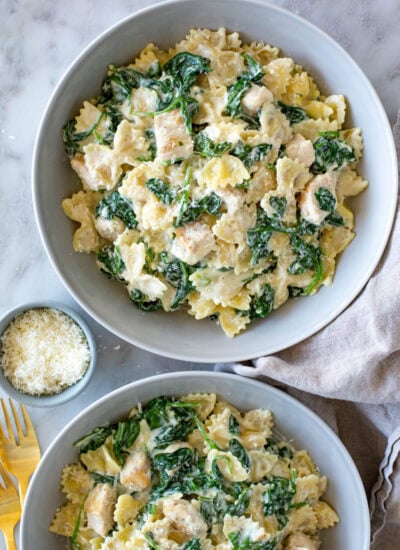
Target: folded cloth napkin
(351,373)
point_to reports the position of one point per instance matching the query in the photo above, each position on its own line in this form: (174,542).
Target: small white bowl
(345,492)
(175,334)
(70,392)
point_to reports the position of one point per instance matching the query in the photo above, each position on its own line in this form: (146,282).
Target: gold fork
(10,508)
(20,456)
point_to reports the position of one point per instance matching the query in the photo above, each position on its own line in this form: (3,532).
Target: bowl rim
(51,400)
(313,417)
(228,357)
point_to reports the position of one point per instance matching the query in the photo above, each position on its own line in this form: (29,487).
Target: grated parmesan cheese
(43,351)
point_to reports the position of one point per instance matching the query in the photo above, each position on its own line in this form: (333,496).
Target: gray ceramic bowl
(178,335)
(294,420)
(71,391)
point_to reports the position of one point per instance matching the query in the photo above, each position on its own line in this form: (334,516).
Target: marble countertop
(40,38)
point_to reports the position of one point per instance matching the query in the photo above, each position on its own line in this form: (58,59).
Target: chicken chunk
(172,137)
(193,242)
(255,98)
(300,541)
(185,516)
(301,149)
(309,206)
(99,508)
(136,473)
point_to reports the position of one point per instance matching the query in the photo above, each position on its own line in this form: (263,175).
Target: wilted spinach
(112,263)
(263,303)
(151,541)
(237,90)
(331,153)
(279,205)
(327,202)
(292,113)
(281,450)
(177,274)
(124,437)
(143,302)
(237,449)
(94,439)
(250,154)
(152,150)
(193,544)
(240,542)
(163,191)
(233,425)
(100,478)
(308,256)
(206,147)
(277,500)
(116,205)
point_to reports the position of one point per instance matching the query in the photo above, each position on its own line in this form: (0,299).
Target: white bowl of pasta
(215,180)
(209,447)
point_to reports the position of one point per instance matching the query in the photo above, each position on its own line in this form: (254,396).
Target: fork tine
(17,421)
(10,431)
(28,423)
(6,478)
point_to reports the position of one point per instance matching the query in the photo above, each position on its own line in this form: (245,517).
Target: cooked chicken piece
(193,242)
(301,149)
(172,137)
(185,516)
(255,98)
(310,209)
(109,229)
(300,541)
(136,473)
(99,508)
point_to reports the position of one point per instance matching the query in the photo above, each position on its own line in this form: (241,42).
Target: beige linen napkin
(351,371)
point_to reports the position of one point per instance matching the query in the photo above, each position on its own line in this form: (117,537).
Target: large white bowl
(177,335)
(345,493)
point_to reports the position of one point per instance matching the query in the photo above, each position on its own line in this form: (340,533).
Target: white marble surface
(40,38)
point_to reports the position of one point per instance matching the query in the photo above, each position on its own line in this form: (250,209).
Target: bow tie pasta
(214,179)
(192,474)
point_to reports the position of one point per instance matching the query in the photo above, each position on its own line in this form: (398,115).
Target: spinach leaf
(155,412)
(237,90)
(237,449)
(112,263)
(118,85)
(72,138)
(239,506)
(334,219)
(277,500)
(305,227)
(292,113)
(99,478)
(94,439)
(165,462)
(326,200)
(331,153)
(257,239)
(233,426)
(201,429)
(248,154)
(193,544)
(77,526)
(213,509)
(192,209)
(177,274)
(116,205)
(186,67)
(114,117)
(279,205)
(143,302)
(183,426)
(206,147)
(124,437)
(151,541)
(240,542)
(280,450)
(163,191)
(308,256)
(262,304)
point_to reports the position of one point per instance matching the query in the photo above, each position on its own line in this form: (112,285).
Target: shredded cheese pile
(43,351)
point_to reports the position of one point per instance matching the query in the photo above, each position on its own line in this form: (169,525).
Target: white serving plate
(345,493)
(178,335)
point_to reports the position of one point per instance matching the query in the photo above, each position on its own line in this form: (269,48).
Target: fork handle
(9,536)
(23,488)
